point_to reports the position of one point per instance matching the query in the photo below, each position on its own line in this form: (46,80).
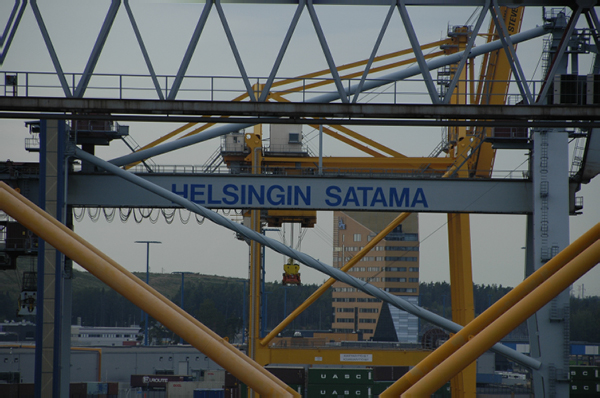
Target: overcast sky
(497,240)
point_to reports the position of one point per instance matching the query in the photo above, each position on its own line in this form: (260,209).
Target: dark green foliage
(585,319)
(218,303)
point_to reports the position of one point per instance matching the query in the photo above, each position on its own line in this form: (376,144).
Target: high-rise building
(392,265)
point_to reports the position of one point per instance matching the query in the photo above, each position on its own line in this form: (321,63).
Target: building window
(413,279)
(373,269)
(366,330)
(371,310)
(357,237)
(344,300)
(345,320)
(402,248)
(345,309)
(396,289)
(413,269)
(394,279)
(379,258)
(379,248)
(367,320)
(403,258)
(395,269)
(368,300)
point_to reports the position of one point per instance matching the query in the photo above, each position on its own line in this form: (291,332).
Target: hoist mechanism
(291,274)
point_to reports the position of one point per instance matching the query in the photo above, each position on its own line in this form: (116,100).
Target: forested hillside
(219,302)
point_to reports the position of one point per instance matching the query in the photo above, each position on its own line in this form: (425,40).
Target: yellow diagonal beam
(509,320)
(131,287)
(493,312)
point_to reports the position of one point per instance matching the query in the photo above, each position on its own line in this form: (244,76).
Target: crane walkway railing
(212,88)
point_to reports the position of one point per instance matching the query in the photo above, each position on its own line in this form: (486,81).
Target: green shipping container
(340,376)
(584,372)
(337,390)
(584,388)
(298,388)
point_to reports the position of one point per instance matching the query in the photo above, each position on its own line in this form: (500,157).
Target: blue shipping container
(209,393)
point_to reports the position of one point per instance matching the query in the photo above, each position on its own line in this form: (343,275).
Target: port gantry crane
(469,153)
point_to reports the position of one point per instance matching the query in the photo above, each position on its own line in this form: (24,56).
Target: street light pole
(181,304)
(147,242)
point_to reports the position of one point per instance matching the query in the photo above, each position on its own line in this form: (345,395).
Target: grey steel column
(549,233)
(51,361)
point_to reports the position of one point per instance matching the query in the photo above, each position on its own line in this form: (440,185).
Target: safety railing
(212,88)
(517,174)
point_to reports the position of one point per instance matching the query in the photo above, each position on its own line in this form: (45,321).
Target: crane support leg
(461,291)
(548,234)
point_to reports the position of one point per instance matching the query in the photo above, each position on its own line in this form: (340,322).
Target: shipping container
(388,373)
(94,388)
(209,393)
(156,381)
(340,376)
(585,388)
(584,372)
(289,375)
(9,390)
(338,390)
(78,390)
(26,390)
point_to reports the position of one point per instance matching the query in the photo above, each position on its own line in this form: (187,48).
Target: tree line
(221,304)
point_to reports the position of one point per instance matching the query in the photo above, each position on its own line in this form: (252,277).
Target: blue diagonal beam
(509,48)
(464,59)
(51,50)
(12,31)
(138,36)
(236,53)
(414,42)
(97,50)
(11,18)
(284,46)
(386,22)
(326,51)
(190,51)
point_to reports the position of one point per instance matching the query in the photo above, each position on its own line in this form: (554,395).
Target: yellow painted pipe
(512,318)
(141,283)
(319,292)
(137,280)
(493,312)
(139,296)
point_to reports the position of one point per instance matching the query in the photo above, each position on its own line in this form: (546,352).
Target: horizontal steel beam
(475,3)
(274,112)
(228,191)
